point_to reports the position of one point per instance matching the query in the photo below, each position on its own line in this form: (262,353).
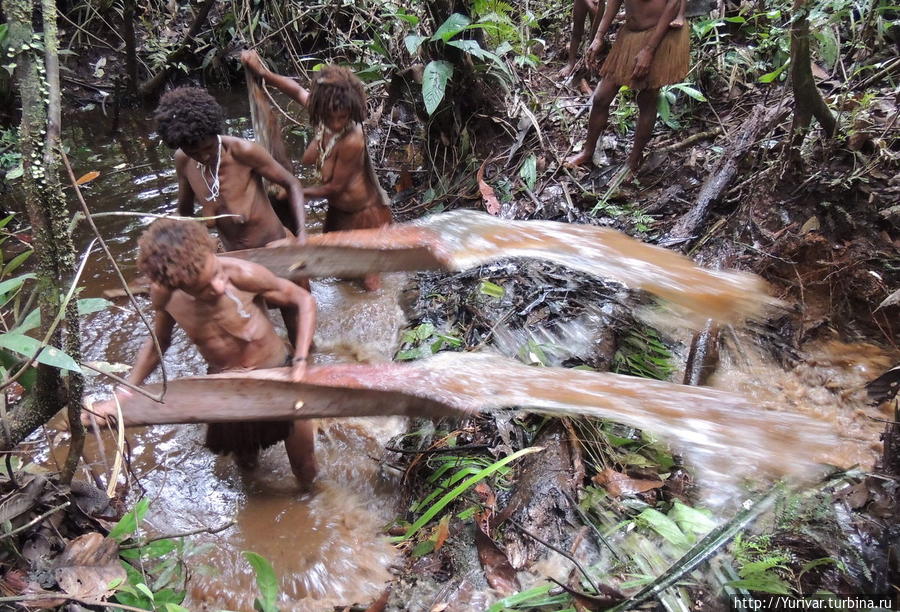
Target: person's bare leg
(646,101)
(300,447)
(678,22)
(579,14)
(597,122)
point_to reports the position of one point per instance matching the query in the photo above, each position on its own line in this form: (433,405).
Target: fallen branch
(683,232)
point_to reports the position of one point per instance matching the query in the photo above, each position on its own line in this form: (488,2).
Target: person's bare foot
(585,88)
(677,23)
(580,159)
(634,163)
(565,71)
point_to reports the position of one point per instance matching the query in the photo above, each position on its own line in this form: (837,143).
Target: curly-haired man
(336,102)
(224,173)
(220,304)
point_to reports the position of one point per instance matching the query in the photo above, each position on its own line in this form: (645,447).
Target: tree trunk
(808,102)
(128,16)
(37,78)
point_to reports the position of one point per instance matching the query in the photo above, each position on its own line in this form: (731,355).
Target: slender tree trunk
(808,102)
(37,78)
(128,16)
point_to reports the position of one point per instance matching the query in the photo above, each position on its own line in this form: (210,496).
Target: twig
(35,520)
(690,140)
(112,260)
(50,596)
(560,551)
(209,530)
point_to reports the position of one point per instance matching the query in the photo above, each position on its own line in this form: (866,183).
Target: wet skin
(223,313)
(242,167)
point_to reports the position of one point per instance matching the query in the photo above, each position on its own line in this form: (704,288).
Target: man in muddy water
(220,304)
(224,174)
(651,50)
(336,102)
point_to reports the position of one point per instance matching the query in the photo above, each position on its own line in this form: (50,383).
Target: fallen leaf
(87,178)
(890,300)
(88,566)
(812,225)
(404,182)
(443,531)
(498,571)
(619,484)
(491,203)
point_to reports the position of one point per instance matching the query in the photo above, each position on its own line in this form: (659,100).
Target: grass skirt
(670,62)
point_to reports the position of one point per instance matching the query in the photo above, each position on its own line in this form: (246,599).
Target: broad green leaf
(92,305)
(413,42)
(143,588)
(423,548)
(158,548)
(128,524)
(424,331)
(11,284)
(690,91)
(771,76)
(412,20)
(473,48)
(528,171)
(691,520)
(664,526)
(266,580)
(16,261)
(15,173)
(5,220)
(454,24)
(30,322)
(28,346)
(434,83)
(171,607)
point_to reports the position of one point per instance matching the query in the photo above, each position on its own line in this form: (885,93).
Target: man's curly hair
(173,253)
(335,89)
(186,116)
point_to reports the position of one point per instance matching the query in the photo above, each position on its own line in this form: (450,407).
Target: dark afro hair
(335,89)
(186,116)
(173,253)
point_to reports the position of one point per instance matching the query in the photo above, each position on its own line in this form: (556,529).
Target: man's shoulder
(241,271)
(241,146)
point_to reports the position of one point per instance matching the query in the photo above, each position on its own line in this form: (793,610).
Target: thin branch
(35,520)
(560,551)
(112,260)
(209,530)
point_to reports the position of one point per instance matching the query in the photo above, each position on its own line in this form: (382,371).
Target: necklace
(325,148)
(214,187)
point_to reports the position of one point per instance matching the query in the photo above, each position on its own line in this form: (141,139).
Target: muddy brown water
(328,547)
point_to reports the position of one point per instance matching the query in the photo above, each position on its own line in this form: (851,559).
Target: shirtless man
(220,304)
(224,174)
(648,53)
(336,103)
(581,9)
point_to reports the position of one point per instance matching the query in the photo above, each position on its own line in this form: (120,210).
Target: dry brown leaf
(498,571)
(87,178)
(491,203)
(619,484)
(87,567)
(443,531)
(404,182)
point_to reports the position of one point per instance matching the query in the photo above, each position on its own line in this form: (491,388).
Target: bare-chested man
(220,304)
(336,102)
(647,54)
(224,174)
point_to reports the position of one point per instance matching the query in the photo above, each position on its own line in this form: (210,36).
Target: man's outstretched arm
(286,85)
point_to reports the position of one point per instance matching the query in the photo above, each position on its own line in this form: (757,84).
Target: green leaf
(528,171)
(412,20)
(11,284)
(266,580)
(460,488)
(16,261)
(765,583)
(171,607)
(15,173)
(488,288)
(454,24)
(143,588)
(664,526)
(413,42)
(30,322)
(158,548)
(424,331)
(5,220)
(690,91)
(423,548)
(771,76)
(473,48)
(691,520)
(28,346)
(128,524)
(92,305)
(434,83)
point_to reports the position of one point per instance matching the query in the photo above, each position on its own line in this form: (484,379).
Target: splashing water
(466,239)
